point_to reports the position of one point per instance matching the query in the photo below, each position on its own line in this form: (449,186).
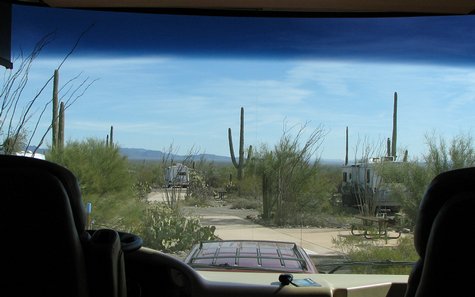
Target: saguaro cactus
(241,163)
(55,119)
(393,149)
(388,147)
(60,140)
(111,138)
(346,147)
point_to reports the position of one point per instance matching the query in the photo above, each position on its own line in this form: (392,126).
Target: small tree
(442,156)
(409,180)
(287,172)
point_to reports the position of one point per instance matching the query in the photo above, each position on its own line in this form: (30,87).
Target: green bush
(150,173)
(104,180)
(100,169)
(118,210)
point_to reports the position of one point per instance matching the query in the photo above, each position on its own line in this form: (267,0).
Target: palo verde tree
(104,177)
(241,163)
(409,180)
(442,156)
(289,171)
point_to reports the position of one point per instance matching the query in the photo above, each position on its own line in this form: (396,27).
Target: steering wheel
(129,242)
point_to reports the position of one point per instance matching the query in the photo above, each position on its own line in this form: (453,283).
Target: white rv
(361,182)
(177,176)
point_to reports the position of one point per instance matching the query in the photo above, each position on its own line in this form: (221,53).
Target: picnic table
(366,230)
(220,195)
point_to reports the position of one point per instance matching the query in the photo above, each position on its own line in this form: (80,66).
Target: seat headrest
(441,190)
(42,248)
(66,177)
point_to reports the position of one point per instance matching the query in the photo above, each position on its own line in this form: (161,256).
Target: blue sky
(180,85)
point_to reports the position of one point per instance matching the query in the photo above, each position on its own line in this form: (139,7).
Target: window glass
(180,128)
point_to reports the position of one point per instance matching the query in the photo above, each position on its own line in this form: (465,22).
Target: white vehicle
(30,154)
(177,176)
(361,182)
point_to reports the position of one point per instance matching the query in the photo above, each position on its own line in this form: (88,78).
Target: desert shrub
(149,173)
(375,256)
(118,210)
(99,168)
(198,189)
(104,179)
(247,202)
(166,229)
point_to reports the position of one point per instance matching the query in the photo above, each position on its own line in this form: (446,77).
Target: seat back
(443,231)
(42,251)
(47,249)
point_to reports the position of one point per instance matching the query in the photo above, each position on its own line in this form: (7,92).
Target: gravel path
(160,195)
(203,212)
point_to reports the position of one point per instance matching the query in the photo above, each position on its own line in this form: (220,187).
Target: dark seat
(444,229)
(46,249)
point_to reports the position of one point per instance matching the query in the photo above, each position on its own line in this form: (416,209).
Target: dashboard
(152,273)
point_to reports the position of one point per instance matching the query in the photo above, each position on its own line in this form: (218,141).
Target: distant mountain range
(152,155)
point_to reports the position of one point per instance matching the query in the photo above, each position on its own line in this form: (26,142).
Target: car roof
(250,255)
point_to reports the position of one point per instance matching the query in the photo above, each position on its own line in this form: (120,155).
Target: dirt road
(162,195)
(236,224)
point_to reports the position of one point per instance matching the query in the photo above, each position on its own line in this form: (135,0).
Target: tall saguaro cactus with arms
(241,163)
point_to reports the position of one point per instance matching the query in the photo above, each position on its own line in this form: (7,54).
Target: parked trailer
(362,179)
(177,176)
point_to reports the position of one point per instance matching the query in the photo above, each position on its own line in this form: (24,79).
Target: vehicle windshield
(322,132)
